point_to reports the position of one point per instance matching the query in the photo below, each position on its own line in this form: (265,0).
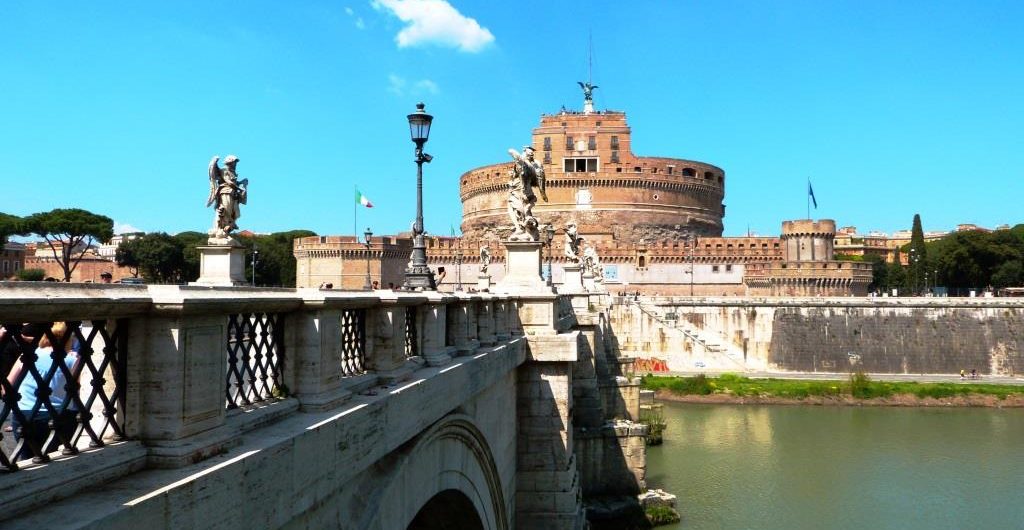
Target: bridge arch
(448,466)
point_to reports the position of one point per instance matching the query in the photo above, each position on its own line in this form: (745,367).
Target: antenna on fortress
(588,87)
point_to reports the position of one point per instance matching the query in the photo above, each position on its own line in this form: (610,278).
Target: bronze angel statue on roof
(588,90)
(227,193)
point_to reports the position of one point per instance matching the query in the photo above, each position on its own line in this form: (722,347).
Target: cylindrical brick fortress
(807,240)
(594,179)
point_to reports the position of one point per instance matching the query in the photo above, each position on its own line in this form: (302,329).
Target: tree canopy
(69,231)
(158,256)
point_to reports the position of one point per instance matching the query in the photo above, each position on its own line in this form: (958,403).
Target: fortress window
(547,158)
(580,165)
(615,159)
(689,172)
(636,169)
(654,170)
(615,142)
(618,169)
(708,175)
(547,143)
(568,143)
(728,268)
(714,268)
(641,262)
(592,143)
(670,169)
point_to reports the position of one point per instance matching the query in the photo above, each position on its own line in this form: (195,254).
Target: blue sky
(891,108)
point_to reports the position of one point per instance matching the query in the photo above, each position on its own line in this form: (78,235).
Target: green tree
(189,241)
(157,256)
(9,225)
(879,270)
(276,264)
(68,232)
(31,275)
(1008,274)
(918,262)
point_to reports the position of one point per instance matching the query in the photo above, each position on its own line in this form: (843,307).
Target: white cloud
(359,20)
(124,228)
(427,86)
(435,22)
(399,86)
(396,85)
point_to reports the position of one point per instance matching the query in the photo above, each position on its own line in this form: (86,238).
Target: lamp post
(419,277)
(458,267)
(368,286)
(255,259)
(914,269)
(549,237)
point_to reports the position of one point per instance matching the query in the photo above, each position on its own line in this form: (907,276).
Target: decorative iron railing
(255,351)
(61,382)
(412,347)
(353,342)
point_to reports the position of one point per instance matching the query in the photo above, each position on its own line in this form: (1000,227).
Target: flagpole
(355,213)
(808,198)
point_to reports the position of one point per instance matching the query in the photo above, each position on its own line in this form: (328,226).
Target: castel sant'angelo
(655,222)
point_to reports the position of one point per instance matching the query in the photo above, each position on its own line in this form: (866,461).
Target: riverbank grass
(859,386)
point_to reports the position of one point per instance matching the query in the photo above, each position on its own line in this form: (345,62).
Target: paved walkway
(839,376)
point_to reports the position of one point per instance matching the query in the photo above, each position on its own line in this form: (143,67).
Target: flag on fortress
(810,191)
(361,199)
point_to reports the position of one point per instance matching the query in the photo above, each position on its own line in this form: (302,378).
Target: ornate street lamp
(419,277)
(368,286)
(255,260)
(549,236)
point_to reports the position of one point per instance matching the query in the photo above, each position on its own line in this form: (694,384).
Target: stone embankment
(811,335)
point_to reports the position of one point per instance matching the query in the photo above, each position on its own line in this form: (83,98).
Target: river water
(809,467)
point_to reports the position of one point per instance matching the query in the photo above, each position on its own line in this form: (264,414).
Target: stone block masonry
(876,335)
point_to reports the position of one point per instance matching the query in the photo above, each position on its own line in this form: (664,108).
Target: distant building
(12,260)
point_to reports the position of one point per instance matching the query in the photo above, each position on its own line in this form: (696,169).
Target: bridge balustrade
(166,376)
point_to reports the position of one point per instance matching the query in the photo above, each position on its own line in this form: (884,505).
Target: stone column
(435,351)
(501,310)
(385,328)
(485,322)
(315,350)
(547,480)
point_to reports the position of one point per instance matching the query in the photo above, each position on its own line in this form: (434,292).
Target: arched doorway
(448,510)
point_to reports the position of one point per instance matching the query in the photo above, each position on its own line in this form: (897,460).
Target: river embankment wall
(876,335)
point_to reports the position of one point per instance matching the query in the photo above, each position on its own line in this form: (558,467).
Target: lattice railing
(412,347)
(353,342)
(61,382)
(255,352)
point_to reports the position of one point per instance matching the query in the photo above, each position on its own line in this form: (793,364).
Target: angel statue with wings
(588,90)
(227,193)
(526,174)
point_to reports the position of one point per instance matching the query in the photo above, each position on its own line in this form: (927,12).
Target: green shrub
(31,275)
(730,378)
(860,385)
(661,515)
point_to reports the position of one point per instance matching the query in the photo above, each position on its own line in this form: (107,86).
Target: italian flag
(361,199)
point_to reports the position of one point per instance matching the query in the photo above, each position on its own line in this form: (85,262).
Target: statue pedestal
(588,282)
(522,268)
(221,265)
(483,283)
(572,280)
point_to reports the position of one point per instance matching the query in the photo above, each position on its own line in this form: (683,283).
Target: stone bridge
(196,407)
